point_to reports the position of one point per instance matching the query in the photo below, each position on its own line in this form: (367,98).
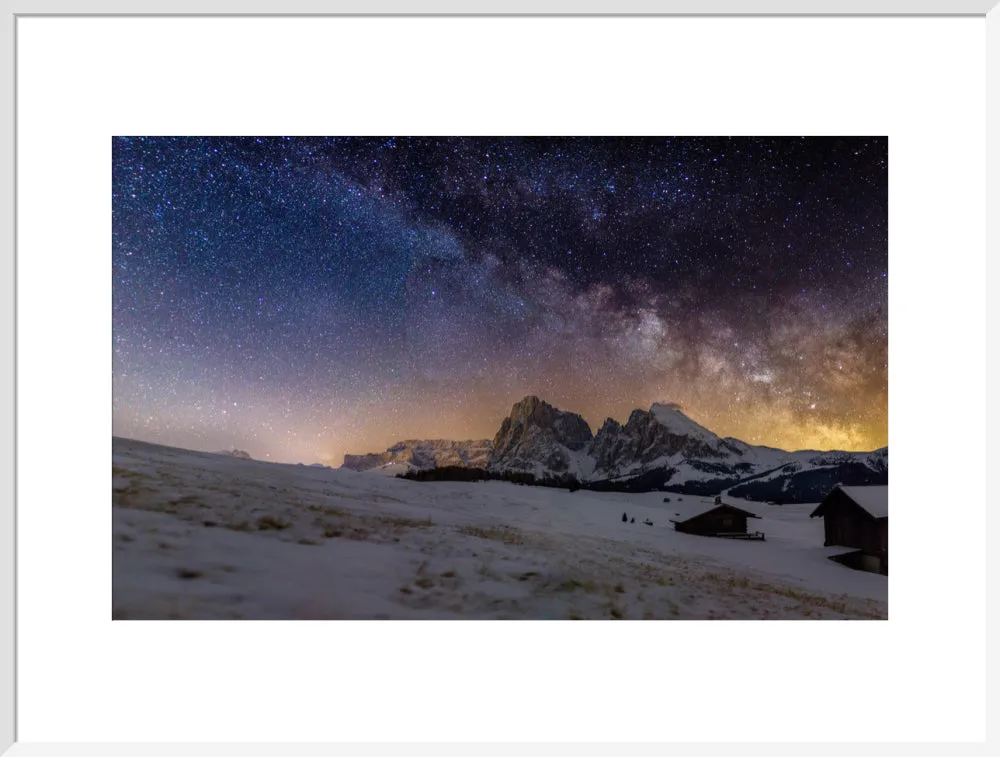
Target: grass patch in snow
(364,526)
(808,603)
(272,523)
(504,534)
(573,584)
(398,521)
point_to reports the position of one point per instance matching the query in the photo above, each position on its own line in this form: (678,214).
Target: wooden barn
(717,519)
(858,517)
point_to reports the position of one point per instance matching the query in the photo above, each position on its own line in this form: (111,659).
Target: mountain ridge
(660,449)
(421,454)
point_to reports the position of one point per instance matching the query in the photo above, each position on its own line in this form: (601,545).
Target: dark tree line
(805,486)
(459,473)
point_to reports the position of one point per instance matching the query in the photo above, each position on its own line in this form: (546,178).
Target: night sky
(300,298)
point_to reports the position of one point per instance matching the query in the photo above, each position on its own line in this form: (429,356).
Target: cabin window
(726,522)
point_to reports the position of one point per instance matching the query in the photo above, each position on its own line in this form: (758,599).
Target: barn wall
(883,528)
(844,528)
(870,542)
(714,522)
(847,524)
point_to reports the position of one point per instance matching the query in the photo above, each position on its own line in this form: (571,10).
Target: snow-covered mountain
(664,449)
(421,454)
(807,476)
(537,438)
(660,449)
(653,438)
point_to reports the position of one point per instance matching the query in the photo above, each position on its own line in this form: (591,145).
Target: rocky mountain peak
(655,450)
(531,413)
(537,435)
(654,436)
(610,425)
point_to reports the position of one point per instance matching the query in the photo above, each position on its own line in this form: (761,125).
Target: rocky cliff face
(611,445)
(537,438)
(425,453)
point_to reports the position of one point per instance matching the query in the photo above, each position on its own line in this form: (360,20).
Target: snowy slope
(199,535)
(672,418)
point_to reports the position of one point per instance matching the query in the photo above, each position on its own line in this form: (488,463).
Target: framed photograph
(420,334)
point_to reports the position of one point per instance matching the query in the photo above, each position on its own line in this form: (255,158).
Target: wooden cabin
(858,517)
(717,519)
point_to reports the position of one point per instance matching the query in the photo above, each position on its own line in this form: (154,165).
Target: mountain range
(239,453)
(660,449)
(421,454)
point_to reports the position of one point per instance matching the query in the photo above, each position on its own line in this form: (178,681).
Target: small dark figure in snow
(624,518)
(648,522)
(633,520)
(666,499)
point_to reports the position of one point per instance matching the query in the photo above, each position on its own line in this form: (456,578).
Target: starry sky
(301,297)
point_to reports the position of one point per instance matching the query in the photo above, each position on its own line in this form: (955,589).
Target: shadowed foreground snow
(199,535)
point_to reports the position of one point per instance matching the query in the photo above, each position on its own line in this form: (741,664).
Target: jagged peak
(537,409)
(611,424)
(528,404)
(636,415)
(532,419)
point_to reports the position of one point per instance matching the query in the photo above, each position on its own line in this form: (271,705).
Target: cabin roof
(874,500)
(701,508)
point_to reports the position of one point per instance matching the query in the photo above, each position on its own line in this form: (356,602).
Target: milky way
(300,298)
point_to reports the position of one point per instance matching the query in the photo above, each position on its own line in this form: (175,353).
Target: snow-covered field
(200,535)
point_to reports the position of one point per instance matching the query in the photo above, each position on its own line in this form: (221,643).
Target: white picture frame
(18,9)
